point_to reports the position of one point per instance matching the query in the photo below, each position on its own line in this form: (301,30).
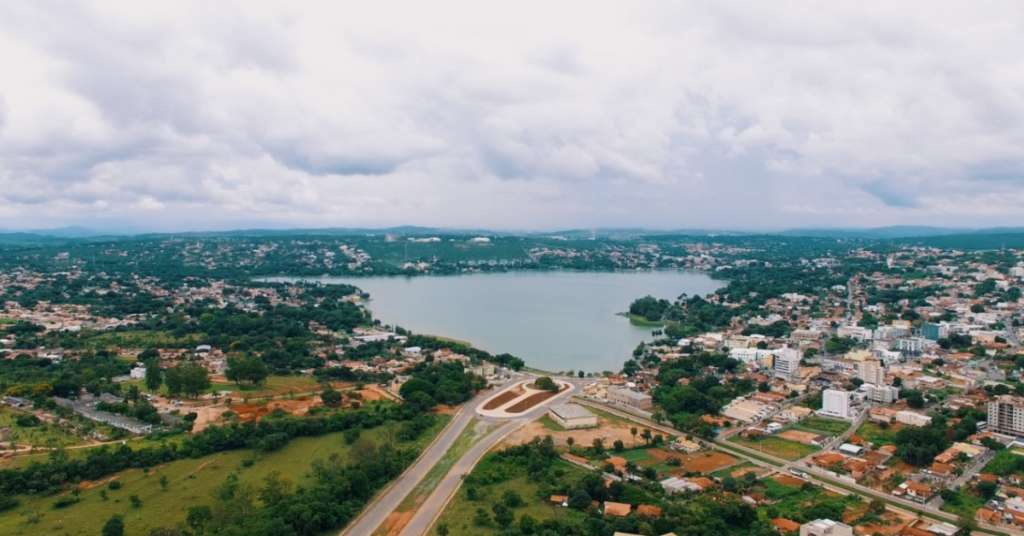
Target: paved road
(438,499)
(432,507)
(379,509)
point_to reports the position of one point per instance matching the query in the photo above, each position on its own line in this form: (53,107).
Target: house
(681,485)
(825,527)
(685,445)
(917,491)
(572,416)
(616,509)
(559,500)
(785,526)
(851,449)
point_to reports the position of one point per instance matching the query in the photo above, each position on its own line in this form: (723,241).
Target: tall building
(871,372)
(835,403)
(825,527)
(883,394)
(787,364)
(1006,415)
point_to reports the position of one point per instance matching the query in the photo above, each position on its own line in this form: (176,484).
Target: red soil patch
(787,480)
(707,462)
(498,401)
(394,523)
(252,412)
(531,401)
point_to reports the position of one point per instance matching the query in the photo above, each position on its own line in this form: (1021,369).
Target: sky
(177,116)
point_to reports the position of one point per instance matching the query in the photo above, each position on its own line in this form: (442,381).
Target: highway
(387,501)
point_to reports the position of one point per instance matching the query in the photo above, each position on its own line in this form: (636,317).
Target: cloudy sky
(511,115)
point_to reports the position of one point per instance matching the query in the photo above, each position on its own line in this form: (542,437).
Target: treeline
(702,394)
(103,461)
(434,343)
(441,383)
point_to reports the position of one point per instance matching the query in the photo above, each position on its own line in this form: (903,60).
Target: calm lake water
(552,320)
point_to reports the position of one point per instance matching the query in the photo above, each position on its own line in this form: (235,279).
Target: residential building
(787,364)
(871,372)
(572,416)
(1006,415)
(825,527)
(882,394)
(912,418)
(836,403)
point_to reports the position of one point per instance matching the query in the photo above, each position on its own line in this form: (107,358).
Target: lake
(553,320)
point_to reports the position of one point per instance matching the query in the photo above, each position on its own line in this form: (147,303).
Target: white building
(871,372)
(825,527)
(137,373)
(629,397)
(572,416)
(882,394)
(836,403)
(787,364)
(913,418)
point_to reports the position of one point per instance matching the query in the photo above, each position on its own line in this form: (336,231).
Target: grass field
(43,435)
(965,504)
(274,386)
(823,425)
(877,435)
(458,516)
(778,447)
(141,339)
(550,424)
(190,482)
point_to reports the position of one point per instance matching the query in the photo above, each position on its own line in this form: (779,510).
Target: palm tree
(633,431)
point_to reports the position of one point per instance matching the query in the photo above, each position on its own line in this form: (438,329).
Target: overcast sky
(511,115)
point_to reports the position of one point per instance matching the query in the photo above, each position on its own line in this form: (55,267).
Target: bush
(545,383)
(272,442)
(27,421)
(65,502)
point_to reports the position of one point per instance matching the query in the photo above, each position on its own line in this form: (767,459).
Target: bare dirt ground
(787,480)
(395,522)
(705,462)
(532,400)
(298,406)
(207,415)
(606,430)
(758,472)
(807,438)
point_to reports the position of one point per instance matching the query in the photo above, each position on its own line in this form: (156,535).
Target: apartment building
(1006,415)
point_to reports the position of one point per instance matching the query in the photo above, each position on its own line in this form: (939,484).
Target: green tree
(154,375)
(248,369)
(114,526)
(187,378)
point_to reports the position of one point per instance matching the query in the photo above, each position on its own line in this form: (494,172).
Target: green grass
(1005,462)
(550,424)
(191,482)
(140,339)
(822,425)
(42,435)
(641,321)
(965,504)
(877,435)
(458,515)
(776,446)
(633,455)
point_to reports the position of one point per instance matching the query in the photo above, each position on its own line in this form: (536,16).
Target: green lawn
(877,435)
(42,435)
(965,504)
(550,424)
(823,425)
(191,482)
(776,446)
(458,515)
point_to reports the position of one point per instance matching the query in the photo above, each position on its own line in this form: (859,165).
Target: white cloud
(668,114)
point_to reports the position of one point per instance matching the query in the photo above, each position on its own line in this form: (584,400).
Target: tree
(579,500)
(249,369)
(647,436)
(546,383)
(187,378)
(330,397)
(512,499)
(114,526)
(632,432)
(764,387)
(154,375)
(618,446)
